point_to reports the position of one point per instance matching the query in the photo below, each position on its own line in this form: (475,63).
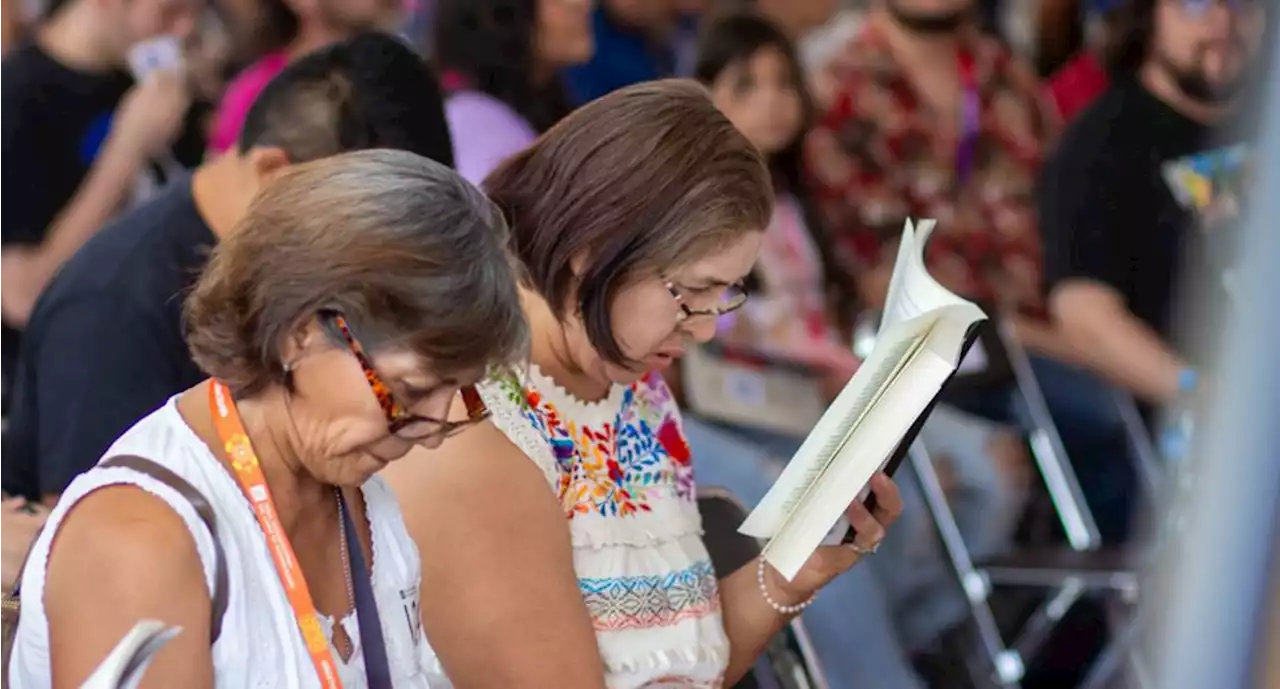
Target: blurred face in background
(564,33)
(761,97)
(137,21)
(1207,46)
(798,16)
(930,16)
(357,15)
(646,14)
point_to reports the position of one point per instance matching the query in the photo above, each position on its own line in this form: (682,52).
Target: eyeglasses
(400,421)
(730,300)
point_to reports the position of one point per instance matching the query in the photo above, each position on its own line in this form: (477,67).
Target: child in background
(803,302)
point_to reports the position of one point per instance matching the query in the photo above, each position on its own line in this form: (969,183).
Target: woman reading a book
(245,511)
(564,536)
(801,308)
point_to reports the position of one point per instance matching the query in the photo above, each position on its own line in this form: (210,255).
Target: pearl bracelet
(783,609)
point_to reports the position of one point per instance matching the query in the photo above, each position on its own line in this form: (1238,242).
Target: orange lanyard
(248,471)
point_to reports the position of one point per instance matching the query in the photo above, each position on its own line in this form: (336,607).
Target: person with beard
(1119,228)
(288,30)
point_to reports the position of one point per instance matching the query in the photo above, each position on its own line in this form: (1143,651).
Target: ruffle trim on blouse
(669,660)
(594,531)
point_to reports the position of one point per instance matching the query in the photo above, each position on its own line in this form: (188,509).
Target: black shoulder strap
(204,510)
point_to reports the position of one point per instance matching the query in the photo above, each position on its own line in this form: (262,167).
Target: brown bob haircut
(408,252)
(635,184)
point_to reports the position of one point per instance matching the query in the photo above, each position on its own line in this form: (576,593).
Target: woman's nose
(701,328)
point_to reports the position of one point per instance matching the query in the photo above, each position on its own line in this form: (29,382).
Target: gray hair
(409,252)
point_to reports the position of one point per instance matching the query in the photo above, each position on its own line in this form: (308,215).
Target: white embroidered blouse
(622,471)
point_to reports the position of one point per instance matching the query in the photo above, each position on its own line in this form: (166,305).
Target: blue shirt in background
(623,56)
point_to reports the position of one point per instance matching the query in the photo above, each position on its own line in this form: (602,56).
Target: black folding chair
(789,661)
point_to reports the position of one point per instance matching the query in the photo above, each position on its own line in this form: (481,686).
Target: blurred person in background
(1075,85)
(105,344)
(935,119)
(795,18)
(501,62)
(635,41)
(1144,188)
(10,24)
(800,306)
(921,88)
(634,219)
(287,30)
(78,134)
(319,379)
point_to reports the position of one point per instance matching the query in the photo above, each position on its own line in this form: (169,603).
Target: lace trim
(508,415)
(600,410)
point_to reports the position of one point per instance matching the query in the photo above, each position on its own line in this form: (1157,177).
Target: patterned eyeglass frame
(398,417)
(689,312)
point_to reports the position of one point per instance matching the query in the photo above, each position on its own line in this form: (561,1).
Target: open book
(128,661)
(923,336)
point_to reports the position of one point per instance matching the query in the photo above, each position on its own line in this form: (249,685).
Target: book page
(912,290)
(836,426)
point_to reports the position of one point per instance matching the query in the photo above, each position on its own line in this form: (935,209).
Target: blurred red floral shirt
(878,155)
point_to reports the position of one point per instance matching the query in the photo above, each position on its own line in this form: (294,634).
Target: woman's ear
(300,340)
(267,162)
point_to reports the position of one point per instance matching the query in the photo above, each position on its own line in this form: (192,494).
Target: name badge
(410,604)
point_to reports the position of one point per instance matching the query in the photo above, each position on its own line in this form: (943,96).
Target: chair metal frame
(1006,662)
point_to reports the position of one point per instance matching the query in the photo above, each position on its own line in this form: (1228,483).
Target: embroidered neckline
(614,462)
(566,401)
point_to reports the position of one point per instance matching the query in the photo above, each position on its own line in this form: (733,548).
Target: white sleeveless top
(260,646)
(622,471)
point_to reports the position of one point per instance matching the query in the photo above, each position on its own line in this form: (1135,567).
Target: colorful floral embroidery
(648,602)
(612,470)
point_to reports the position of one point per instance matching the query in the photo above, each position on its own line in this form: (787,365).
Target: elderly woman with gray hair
(361,295)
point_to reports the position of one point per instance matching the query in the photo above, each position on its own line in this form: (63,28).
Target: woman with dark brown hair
(245,510)
(579,562)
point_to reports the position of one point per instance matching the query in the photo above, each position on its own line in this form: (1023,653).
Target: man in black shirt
(1122,202)
(77,133)
(104,345)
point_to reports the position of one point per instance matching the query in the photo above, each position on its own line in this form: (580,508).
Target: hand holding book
(829,561)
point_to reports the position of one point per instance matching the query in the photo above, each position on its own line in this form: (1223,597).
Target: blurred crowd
(1083,160)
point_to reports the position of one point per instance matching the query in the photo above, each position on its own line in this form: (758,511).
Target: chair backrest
(1048,451)
(722,514)
(789,661)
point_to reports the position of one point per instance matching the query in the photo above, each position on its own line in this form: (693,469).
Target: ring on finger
(864,551)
